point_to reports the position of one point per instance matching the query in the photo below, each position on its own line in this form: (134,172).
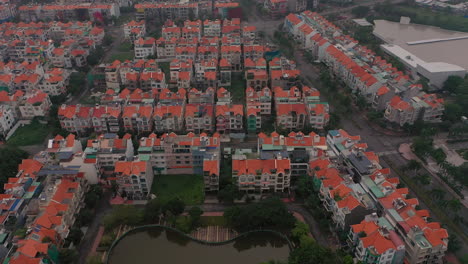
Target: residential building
(107,118)
(199,117)
(134,179)
(291,116)
(276,8)
(145,47)
(8,119)
(259,99)
(256,78)
(180,154)
(233,54)
(229,119)
(223,96)
(134,30)
(261,175)
(35,104)
(168,118)
(107,149)
(212,28)
(299,147)
(138,118)
(76,118)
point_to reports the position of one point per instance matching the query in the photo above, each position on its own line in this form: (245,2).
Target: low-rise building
(35,104)
(168,118)
(261,175)
(134,30)
(145,47)
(229,119)
(199,117)
(134,179)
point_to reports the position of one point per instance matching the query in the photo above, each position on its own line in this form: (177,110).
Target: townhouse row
(171,113)
(184,11)
(385,225)
(196,111)
(63,45)
(83,11)
(44,198)
(382,86)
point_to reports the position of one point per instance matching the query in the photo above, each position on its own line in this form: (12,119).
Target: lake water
(158,246)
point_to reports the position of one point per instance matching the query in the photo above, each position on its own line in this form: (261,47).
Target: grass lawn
(121,56)
(125,47)
(213,221)
(31,134)
(189,188)
(237,88)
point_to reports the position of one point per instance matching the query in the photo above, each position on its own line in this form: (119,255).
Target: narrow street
(88,239)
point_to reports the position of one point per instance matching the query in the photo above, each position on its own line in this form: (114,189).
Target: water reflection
(157,245)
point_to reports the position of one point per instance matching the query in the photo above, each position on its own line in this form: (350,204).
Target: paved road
(117,34)
(88,239)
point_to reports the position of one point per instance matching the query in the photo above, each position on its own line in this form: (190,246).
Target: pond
(157,245)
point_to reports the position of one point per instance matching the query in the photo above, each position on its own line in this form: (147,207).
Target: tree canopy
(10,157)
(360,11)
(270,213)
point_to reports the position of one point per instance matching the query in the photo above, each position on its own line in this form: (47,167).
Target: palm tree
(413,165)
(437,193)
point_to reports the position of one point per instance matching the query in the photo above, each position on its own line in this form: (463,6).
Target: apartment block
(180,154)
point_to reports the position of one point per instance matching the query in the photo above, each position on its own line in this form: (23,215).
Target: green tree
(300,229)
(93,195)
(360,11)
(195,214)
(305,186)
(174,206)
(67,256)
(413,165)
(85,217)
(452,83)
(437,193)
(153,210)
(95,56)
(228,194)
(455,205)
(123,215)
(108,39)
(453,112)
(312,253)
(270,213)
(10,158)
(75,235)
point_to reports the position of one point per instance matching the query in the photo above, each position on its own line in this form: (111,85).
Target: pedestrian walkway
(214,234)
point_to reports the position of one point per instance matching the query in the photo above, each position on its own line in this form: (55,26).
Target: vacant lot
(188,188)
(32,134)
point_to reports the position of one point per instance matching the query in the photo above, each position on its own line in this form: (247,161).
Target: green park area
(186,187)
(31,134)
(419,15)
